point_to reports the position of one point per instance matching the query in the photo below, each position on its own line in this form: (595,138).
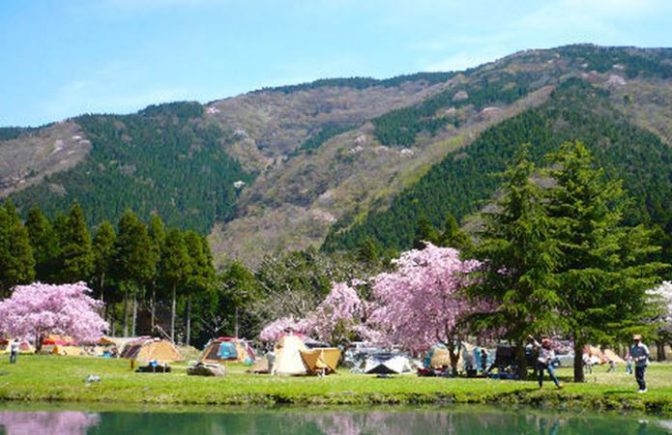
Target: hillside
(344,159)
(181,160)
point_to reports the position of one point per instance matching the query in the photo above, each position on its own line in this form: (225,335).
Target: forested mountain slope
(345,159)
(466,179)
(181,160)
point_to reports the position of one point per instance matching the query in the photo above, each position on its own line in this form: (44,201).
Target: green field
(38,378)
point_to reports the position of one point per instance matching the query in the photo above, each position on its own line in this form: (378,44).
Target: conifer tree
(17,265)
(201,274)
(44,241)
(157,236)
(76,251)
(604,268)
(103,255)
(425,232)
(133,266)
(175,268)
(453,237)
(518,255)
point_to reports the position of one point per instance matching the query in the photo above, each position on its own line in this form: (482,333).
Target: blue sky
(61,58)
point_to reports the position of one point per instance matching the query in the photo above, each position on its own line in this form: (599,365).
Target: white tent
(387,363)
(288,360)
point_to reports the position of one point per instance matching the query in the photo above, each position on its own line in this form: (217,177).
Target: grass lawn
(58,378)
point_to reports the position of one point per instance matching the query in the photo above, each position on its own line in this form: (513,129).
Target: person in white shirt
(545,360)
(13,351)
(640,357)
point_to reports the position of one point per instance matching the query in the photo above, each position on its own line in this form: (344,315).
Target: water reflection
(35,423)
(301,421)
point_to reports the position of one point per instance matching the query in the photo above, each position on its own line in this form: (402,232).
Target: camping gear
(146,349)
(206,369)
(261,365)
(228,349)
(154,367)
(387,362)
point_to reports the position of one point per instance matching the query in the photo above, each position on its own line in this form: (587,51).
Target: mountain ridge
(314,154)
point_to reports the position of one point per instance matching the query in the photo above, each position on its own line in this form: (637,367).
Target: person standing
(545,360)
(639,353)
(14,351)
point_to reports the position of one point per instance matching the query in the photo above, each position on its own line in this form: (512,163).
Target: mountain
(342,160)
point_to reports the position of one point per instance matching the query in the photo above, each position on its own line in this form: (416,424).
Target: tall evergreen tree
(133,266)
(76,250)
(175,268)
(452,236)
(604,269)
(157,236)
(201,274)
(519,256)
(44,241)
(17,264)
(369,251)
(239,289)
(425,232)
(103,255)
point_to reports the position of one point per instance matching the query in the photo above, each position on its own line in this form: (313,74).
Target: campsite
(63,379)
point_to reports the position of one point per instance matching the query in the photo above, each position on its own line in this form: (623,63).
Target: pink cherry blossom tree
(422,302)
(36,310)
(283,326)
(338,318)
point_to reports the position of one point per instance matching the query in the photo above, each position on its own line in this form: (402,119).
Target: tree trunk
(521,360)
(152,307)
(236,323)
(38,343)
(102,287)
(660,351)
(188,335)
(135,313)
(454,352)
(579,376)
(125,313)
(172,313)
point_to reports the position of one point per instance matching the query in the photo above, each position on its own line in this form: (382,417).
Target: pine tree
(604,269)
(425,232)
(452,236)
(369,251)
(201,274)
(103,255)
(175,268)
(133,265)
(157,235)
(44,242)
(17,264)
(518,256)
(76,251)
(239,289)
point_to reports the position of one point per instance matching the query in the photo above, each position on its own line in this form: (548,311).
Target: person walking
(14,351)
(639,353)
(545,360)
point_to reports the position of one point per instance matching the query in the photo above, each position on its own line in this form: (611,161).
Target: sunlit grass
(42,378)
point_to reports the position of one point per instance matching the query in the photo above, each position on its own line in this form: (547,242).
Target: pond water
(425,421)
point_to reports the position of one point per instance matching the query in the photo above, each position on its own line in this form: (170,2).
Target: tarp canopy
(321,359)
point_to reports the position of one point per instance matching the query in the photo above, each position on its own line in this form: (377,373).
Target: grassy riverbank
(53,378)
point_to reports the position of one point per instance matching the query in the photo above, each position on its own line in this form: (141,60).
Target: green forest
(466,179)
(165,159)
